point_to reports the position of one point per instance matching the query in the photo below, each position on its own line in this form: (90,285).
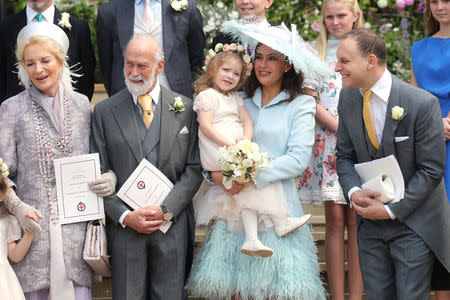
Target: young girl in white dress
(224,121)
(10,233)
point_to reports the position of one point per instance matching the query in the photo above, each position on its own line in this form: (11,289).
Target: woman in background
(430,59)
(319,183)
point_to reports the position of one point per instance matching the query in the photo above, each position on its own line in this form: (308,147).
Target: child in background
(10,233)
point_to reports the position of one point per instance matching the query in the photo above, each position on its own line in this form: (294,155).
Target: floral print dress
(319,182)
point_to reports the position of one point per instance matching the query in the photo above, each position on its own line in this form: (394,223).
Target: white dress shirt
(155,98)
(378,108)
(48,14)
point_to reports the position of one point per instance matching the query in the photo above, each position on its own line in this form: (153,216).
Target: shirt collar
(138,2)
(382,88)
(153,93)
(49,14)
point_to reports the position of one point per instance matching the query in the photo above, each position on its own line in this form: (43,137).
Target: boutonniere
(179,5)
(64,21)
(177,106)
(397,113)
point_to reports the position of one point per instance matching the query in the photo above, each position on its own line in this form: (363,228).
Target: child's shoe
(256,248)
(284,227)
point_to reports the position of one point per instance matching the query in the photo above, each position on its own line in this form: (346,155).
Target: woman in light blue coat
(283,126)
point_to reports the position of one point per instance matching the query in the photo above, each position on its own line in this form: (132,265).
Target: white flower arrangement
(242,162)
(229,47)
(397,113)
(178,105)
(64,22)
(179,5)
(4,170)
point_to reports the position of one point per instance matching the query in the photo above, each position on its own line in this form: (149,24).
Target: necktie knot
(145,101)
(367,95)
(39,17)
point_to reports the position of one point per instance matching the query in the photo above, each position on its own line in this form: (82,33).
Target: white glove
(105,186)
(18,208)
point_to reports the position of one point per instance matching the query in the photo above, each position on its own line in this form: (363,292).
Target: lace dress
(10,288)
(212,203)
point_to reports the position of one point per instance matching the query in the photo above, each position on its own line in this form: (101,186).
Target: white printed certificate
(76,203)
(146,186)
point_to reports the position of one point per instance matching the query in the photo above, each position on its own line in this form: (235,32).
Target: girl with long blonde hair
(319,183)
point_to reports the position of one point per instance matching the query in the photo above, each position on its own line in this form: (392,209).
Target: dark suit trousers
(148,267)
(396,264)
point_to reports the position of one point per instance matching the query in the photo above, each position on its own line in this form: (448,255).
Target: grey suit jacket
(183,39)
(421,158)
(115,136)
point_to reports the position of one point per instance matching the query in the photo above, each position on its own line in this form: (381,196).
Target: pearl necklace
(45,149)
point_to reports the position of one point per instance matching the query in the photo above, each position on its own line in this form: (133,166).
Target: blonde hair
(206,80)
(431,24)
(54,48)
(321,43)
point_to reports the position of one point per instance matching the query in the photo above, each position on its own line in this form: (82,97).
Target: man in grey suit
(179,31)
(146,263)
(398,242)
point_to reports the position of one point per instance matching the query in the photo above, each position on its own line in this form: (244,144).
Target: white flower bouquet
(242,162)
(4,170)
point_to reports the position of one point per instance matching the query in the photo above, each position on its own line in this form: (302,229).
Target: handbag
(95,252)
(382,184)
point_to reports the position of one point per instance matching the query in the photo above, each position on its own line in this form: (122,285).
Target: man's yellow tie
(368,119)
(145,102)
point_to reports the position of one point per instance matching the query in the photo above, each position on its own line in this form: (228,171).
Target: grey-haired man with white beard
(133,124)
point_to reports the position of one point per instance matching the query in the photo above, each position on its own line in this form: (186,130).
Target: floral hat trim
(229,47)
(4,169)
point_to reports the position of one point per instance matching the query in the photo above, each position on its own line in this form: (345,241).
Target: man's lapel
(390,124)
(169,19)
(21,20)
(57,16)
(128,125)
(125,22)
(170,125)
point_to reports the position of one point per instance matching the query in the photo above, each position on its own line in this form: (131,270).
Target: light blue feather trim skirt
(220,269)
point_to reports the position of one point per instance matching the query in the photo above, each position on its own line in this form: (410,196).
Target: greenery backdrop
(399,22)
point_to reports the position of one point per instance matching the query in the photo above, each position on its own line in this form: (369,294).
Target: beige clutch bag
(382,184)
(95,249)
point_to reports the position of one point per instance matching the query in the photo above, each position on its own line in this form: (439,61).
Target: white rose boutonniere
(398,113)
(64,22)
(179,5)
(177,106)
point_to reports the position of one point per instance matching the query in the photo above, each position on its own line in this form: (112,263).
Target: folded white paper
(146,186)
(76,202)
(384,166)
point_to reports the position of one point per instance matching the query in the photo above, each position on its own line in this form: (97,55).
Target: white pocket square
(184,130)
(400,138)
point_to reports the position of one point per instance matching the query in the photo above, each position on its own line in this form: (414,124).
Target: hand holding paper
(364,203)
(144,220)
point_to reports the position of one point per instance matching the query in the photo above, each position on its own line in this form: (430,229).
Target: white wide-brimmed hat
(288,42)
(46,29)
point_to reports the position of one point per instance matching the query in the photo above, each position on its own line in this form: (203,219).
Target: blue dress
(431,64)
(285,130)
